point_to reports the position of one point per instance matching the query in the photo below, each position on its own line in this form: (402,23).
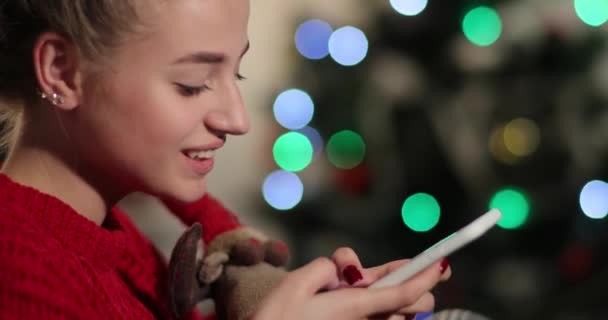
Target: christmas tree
(433,113)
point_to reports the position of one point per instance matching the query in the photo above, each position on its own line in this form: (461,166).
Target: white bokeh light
(409,7)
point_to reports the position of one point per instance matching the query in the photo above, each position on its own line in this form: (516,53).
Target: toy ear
(184,288)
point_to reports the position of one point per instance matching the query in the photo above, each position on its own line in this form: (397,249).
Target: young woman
(110,97)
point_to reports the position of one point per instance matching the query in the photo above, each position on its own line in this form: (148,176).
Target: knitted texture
(57,264)
(212,215)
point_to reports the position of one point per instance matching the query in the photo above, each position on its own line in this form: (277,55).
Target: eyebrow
(207,57)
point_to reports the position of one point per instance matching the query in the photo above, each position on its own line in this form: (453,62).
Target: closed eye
(190,91)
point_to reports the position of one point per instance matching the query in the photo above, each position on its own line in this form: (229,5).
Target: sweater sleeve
(34,284)
(209,212)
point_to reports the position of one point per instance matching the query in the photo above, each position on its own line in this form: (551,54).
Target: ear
(58,68)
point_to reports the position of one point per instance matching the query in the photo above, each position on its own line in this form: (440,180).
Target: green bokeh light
(420,212)
(482,26)
(514,207)
(592,12)
(346,149)
(292,152)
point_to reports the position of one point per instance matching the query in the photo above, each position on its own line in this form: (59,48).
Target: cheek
(153,115)
(144,123)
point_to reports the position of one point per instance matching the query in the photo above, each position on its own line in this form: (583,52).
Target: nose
(229,116)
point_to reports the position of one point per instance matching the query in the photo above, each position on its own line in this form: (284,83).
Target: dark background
(433,136)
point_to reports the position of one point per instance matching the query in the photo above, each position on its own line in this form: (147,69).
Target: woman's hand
(309,292)
(354,275)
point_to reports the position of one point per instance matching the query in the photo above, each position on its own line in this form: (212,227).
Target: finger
(408,293)
(389,317)
(375,273)
(349,265)
(447,269)
(426,303)
(365,302)
(319,274)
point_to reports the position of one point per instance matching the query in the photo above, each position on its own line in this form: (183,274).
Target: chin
(181,191)
(191,192)
(193,197)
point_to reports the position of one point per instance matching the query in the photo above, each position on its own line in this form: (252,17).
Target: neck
(36,162)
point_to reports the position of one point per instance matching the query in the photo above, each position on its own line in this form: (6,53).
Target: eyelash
(189,91)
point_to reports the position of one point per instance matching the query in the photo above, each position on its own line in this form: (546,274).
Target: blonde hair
(93,26)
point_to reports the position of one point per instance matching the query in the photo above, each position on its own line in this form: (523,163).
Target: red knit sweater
(57,264)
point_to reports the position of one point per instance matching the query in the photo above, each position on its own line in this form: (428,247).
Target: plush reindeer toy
(236,270)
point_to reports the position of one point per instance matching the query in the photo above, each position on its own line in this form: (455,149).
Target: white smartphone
(441,249)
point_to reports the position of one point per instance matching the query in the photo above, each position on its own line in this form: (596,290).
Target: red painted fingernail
(444,265)
(352,274)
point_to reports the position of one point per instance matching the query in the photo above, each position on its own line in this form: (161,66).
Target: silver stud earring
(55,98)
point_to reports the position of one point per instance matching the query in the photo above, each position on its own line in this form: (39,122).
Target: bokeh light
(482,26)
(283,190)
(424,316)
(592,12)
(312,38)
(521,137)
(409,7)
(348,46)
(512,142)
(292,151)
(498,149)
(514,206)
(293,109)
(346,149)
(594,199)
(420,212)
(315,138)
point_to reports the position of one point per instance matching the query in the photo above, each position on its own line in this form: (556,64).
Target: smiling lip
(208,147)
(200,166)
(204,165)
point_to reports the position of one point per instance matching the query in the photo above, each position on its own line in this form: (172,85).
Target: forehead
(178,25)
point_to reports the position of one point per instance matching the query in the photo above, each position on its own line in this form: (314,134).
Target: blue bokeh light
(594,199)
(424,315)
(293,109)
(312,39)
(409,7)
(348,46)
(283,190)
(315,139)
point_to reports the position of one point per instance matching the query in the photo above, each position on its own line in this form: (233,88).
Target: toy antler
(185,291)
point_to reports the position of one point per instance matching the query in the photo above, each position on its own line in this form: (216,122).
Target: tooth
(201,154)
